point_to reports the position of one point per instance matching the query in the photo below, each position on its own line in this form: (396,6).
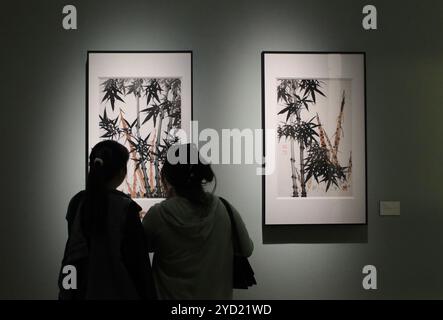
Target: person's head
(186,178)
(107,170)
(107,164)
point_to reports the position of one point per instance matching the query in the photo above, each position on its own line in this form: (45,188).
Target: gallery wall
(43,132)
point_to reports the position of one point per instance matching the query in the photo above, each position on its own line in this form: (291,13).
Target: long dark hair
(188,177)
(107,160)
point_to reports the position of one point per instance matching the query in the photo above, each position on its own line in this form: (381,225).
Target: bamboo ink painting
(142,114)
(140,100)
(315,103)
(314,132)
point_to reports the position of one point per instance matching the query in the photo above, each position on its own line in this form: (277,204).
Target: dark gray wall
(43,130)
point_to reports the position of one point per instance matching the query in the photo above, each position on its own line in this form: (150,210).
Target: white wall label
(369,21)
(70,17)
(370,279)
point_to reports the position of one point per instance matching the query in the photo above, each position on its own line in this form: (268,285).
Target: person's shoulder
(76,199)
(225,205)
(216,200)
(74,203)
(155,212)
(78,196)
(157,207)
(122,199)
(119,194)
(213,197)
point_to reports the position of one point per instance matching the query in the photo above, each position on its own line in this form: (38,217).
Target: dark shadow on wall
(315,234)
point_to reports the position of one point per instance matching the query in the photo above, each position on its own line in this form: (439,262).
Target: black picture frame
(268,235)
(87,75)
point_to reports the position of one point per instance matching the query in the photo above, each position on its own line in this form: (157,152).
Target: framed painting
(315,105)
(139,99)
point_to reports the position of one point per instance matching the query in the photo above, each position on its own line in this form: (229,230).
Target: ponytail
(106,160)
(189,179)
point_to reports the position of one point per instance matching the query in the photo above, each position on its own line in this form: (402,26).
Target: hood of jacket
(189,219)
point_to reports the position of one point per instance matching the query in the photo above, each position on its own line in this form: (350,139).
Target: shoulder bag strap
(231,217)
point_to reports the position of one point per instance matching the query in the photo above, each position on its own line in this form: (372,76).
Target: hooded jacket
(193,249)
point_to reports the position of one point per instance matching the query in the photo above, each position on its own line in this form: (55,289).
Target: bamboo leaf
(284,110)
(317,90)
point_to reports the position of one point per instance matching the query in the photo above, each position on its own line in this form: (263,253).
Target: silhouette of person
(190,233)
(106,242)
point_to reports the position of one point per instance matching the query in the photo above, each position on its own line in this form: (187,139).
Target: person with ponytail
(190,232)
(106,242)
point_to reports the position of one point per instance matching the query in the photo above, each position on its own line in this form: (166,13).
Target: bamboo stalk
(302,162)
(339,128)
(156,162)
(349,173)
(297,174)
(157,144)
(321,133)
(138,125)
(130,190)
(132,153)
(151,168)
(300,142)
(309,185)
(293,85)
(350,164)
(329,146)
(293,169)
(295,192)
(169,126)
(134,183)
(143,189)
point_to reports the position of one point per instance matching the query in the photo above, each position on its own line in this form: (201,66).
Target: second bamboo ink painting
(315,102)
(314,137)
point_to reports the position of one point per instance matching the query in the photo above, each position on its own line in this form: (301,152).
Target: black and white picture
(140,100)
(315,103)
(141,114)
(315,137)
